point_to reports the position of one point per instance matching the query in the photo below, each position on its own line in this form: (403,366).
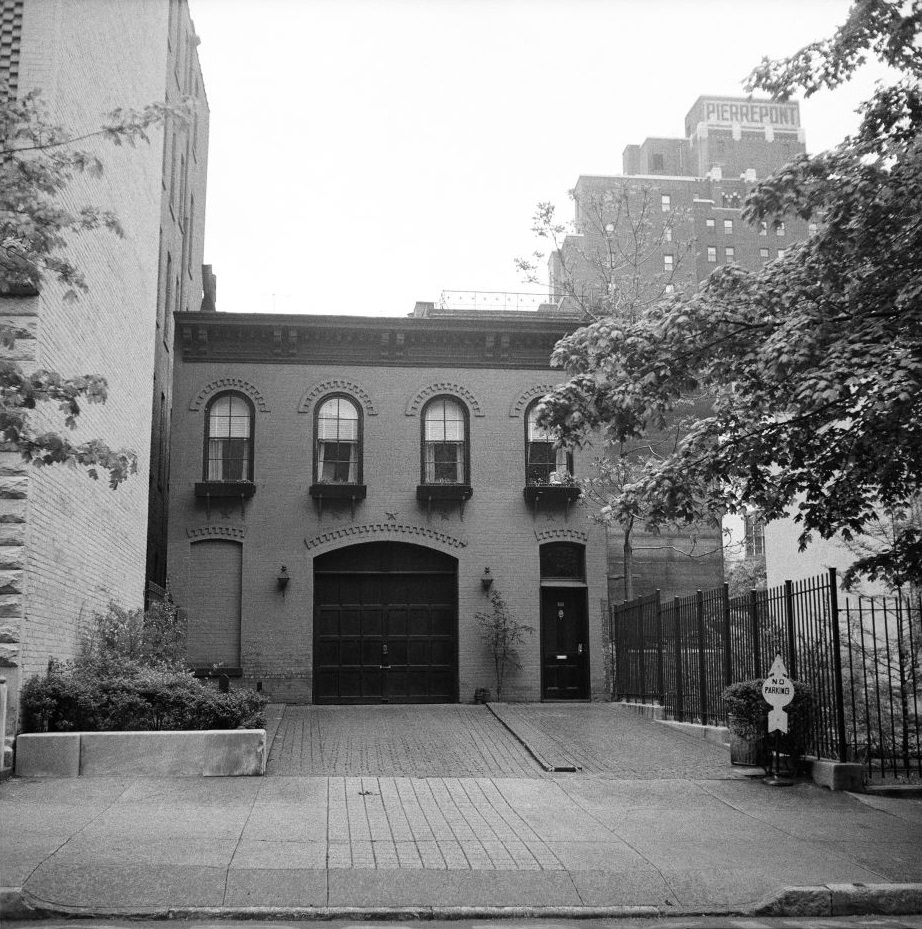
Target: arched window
(338,448)
(544,464)
(445,451)
(229,438)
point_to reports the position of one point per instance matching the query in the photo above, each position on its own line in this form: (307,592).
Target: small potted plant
(747,720)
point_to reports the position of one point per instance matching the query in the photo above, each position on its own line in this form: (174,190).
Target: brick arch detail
(229,383)
(202,533)
(443,387)
(336,385)
(525,398)
(562,535)
(374,532)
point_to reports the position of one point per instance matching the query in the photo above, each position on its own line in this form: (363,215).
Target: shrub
(502,632)
(70,699)
(120,638)
(747,714)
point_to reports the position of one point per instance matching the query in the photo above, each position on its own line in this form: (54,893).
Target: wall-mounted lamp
(486,582)
(283,579)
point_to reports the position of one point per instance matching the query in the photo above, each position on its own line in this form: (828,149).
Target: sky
(368,154)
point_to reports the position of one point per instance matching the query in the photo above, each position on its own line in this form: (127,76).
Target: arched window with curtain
(445,449)
(229,438)
(544,464)
(338,446)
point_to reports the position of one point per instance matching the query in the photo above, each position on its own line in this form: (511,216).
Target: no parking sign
(778,691)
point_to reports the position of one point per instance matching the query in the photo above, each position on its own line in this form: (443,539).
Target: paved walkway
(378,841)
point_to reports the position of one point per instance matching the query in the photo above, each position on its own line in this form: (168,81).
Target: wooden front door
(564,644)
(385,625)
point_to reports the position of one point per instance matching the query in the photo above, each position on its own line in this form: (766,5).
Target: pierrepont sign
(750,113)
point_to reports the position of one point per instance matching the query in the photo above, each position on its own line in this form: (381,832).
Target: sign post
(778,692)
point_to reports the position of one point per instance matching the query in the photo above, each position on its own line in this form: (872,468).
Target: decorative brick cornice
(217,532)
(524,398)
(336,385)
(384,530)
(444,387)
(562,535)
(229,383)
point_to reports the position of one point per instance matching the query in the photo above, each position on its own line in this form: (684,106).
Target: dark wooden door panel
(564,644)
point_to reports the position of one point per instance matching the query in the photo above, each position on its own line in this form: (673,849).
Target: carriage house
(347,491)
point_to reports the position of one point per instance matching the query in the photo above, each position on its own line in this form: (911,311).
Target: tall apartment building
(664,224)
(69,544)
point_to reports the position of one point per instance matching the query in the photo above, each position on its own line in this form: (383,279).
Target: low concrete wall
(200,753)
(719,735)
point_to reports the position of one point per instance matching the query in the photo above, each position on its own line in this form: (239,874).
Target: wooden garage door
(385,625)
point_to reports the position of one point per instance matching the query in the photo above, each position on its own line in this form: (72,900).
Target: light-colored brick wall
(281,525)
(85,543)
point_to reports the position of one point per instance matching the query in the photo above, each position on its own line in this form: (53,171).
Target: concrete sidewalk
(152,846)
(613,839)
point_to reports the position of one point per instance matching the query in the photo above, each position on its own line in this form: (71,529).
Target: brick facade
(390,368)
(68,544)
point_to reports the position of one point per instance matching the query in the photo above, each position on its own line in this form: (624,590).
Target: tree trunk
(628,561)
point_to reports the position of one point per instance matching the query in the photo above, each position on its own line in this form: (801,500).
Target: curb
(824,900)
(843,900)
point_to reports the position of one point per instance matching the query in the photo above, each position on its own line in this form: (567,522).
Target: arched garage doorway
(385,625)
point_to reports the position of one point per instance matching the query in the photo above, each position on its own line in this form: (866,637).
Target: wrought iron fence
(862,659)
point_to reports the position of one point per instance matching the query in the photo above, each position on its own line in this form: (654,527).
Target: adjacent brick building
(346,490)
(664,225)
(69,545)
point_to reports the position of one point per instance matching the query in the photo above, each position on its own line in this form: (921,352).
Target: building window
(709,224)
(669,289)
(445,452)
(811,228)
(763,253)
(728,227)
(712,255)
(781,252)
(763,227)
(754,527)
(658,162)
(544,464)
(229,438)
(668,263)
(779,229)
(338,454)
(563,561)
(667,234)
(666,203)
(730,253)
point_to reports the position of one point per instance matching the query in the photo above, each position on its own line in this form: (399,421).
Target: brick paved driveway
(444,740)
(461,740)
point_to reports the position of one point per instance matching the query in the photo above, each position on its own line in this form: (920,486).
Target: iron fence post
(660,662)
(614,636)
(791,633)
(728,663)
(841,736)
(702,658)
(754,619)
(679,685)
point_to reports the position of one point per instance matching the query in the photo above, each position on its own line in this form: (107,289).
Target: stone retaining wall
(201,753)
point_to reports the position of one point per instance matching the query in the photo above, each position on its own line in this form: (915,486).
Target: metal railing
(492,300)
(861,659)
